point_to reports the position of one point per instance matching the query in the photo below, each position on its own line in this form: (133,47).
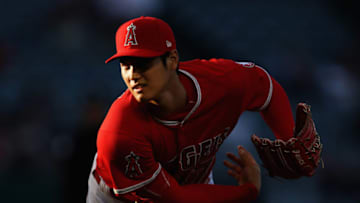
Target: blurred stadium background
(55,88)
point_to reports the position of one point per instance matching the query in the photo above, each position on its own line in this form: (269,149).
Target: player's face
(145,78)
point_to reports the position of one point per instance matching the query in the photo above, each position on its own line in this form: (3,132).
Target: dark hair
(143,63)
(164,57)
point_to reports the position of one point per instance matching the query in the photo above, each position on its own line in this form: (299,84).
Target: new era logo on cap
(143,37)
(168,43)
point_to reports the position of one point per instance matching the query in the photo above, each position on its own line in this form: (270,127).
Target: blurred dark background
(55,88)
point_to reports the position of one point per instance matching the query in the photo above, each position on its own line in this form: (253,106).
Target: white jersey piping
(197,104)
(139,185)
(268,99)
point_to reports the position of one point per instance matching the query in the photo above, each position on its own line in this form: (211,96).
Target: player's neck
(172,99)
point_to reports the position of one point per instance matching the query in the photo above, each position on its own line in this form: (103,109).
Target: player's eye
(125,66)
(142,67)
(139,65)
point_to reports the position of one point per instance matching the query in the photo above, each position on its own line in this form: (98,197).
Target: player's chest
(196,141)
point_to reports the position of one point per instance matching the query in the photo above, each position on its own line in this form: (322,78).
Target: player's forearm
(166,189)
(212,193)
(278,114)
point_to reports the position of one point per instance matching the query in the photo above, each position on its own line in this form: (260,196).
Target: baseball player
(158,140)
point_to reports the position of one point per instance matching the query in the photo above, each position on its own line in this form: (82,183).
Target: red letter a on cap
(130,35)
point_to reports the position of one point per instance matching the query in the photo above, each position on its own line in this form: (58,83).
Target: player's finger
(232,166)
(235,175)
(235,159)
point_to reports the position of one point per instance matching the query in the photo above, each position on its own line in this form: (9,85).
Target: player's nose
(133,73)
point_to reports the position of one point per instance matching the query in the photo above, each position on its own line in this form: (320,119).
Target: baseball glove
(296,157)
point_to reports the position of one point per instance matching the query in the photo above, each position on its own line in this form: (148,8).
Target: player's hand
(296,157)
(244,169)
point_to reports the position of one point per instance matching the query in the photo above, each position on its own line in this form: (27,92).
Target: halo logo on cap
(130,35)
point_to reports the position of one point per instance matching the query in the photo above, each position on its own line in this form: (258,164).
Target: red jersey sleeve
(125,157)
(248,84)
(127,164)
(166,189)
(256,86)
(263,93)
(253,88)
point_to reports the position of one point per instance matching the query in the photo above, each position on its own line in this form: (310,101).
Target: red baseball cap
(143,37)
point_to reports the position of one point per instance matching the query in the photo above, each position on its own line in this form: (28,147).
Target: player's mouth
(138,88)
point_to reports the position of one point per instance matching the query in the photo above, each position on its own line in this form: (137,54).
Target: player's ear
(173,59)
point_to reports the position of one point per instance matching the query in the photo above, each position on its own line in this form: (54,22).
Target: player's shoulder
(120,127)
(124,113)
(220,63)
(216,67)
(125,102)
(246,64)
(233,64)
(124,106)
(207,62)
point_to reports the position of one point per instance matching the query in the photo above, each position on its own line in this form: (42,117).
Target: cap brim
(136,53)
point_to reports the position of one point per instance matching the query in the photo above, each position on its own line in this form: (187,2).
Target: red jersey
(134,146)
